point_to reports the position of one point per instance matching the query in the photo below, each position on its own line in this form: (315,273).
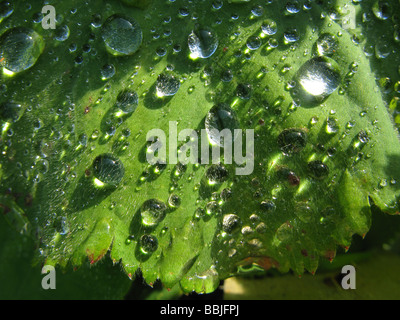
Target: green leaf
(74,161)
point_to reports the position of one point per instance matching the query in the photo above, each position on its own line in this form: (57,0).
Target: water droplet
(217,173)
(20,48)
(253,43)
(127,101)
(6,9)
(257,11)
(148,243)
(326,45)
(107,72)
(212,208)
(96,20)
(382,10)
(62,33)
(230,223)
(284,232)
(291,35)
(293,7)
(108,169)
(363,137)
(122,35)
(11,111)
(292,140)
(220,117)
(318,169)
(332,125)
(167,85)
(318,78)
(174,201)
(267,206)
(226,194)
(203,42)
(269,27)
(227,75)
(153,211)
(243,91)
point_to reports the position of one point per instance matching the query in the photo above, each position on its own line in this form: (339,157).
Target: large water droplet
(152,212)
(122,35)
(20,48)
(202,43)
(316,80)
(108,169)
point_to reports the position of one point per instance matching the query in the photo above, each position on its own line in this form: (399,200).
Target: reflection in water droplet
(220,117)
(61,33)
(217,173)
(152,212)
(203,42)
(318,169)
(269,27)
(382,10)
(167,85)
(108,169)
(326,45)
(6,9)
(107,72)
(174,201)
(230,223)
(20,48)
(148,243)
(332,125)
(292,140)
(253,43)
(317,79)
(127,101)
(291,36)
(11,111)
(122,35)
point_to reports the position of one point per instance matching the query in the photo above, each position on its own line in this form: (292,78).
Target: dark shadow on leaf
(151,101)
(86,195)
